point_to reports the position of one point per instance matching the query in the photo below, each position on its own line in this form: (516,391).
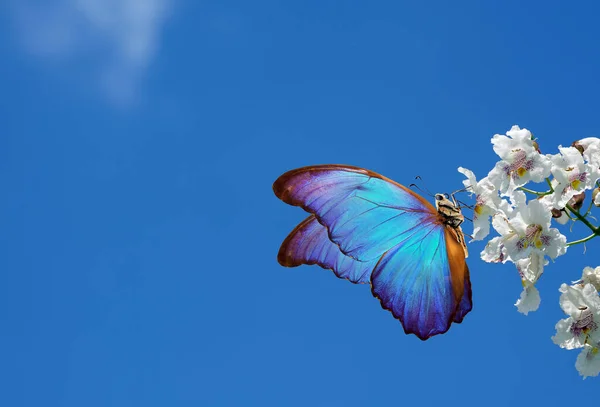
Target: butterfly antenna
(464,205)
(465,189)
(422,189)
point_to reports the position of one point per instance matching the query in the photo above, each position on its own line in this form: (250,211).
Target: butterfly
(369,229)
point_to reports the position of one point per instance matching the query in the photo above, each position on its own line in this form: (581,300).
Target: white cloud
(113,41)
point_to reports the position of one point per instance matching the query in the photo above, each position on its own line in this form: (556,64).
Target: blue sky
(139,228)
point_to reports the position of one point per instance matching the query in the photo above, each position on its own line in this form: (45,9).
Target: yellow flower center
(575,184)
(478,209)
(538,243)
(521,171)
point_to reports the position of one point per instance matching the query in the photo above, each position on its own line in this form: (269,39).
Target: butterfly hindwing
(309,243)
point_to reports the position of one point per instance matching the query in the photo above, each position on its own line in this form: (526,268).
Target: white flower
(494,251)
(530,270)
(572,175)
(588,361)
(520,161)
(559,215)
(525,231)
(587,142)
(486,202)
(590,276)
(582,304)
(590,148)
(597,199)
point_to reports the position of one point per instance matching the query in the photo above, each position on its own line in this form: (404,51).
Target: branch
(595,230)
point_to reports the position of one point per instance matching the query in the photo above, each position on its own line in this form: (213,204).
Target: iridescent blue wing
(422,281)
(365,213)
(309,243)
(420,273)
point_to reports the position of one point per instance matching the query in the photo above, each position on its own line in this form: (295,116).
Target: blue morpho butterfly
(370,229)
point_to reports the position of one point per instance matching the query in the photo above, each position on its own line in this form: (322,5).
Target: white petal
(471,180)
(529,300)
(592,154)
(531,268)
(503,145)
(514,248)
(539,214)
(571,156)
(564,338)
(501,224)
(558,243)
(541,168)
(588,362)
(591,297)
(575,297)
(498,177)
(494,251)
(591,276)
(593,173)
(518,199)
(571,299)
(588,141)
(481,227)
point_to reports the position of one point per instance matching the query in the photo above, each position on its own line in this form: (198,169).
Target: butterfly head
(448,210)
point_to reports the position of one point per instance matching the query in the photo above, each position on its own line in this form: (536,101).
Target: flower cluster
(581,330)
(525,236)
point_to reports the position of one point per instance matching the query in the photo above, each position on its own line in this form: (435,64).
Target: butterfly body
(370,229)
(451,216)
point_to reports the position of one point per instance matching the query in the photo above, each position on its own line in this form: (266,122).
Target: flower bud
(595,193)
(560,215)
(583,144)
(578,146)
(577,201)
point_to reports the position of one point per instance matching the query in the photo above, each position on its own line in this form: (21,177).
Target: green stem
(531,191)
(589,208)
(550,185)
(585,239)
(584,220)
(569,216)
